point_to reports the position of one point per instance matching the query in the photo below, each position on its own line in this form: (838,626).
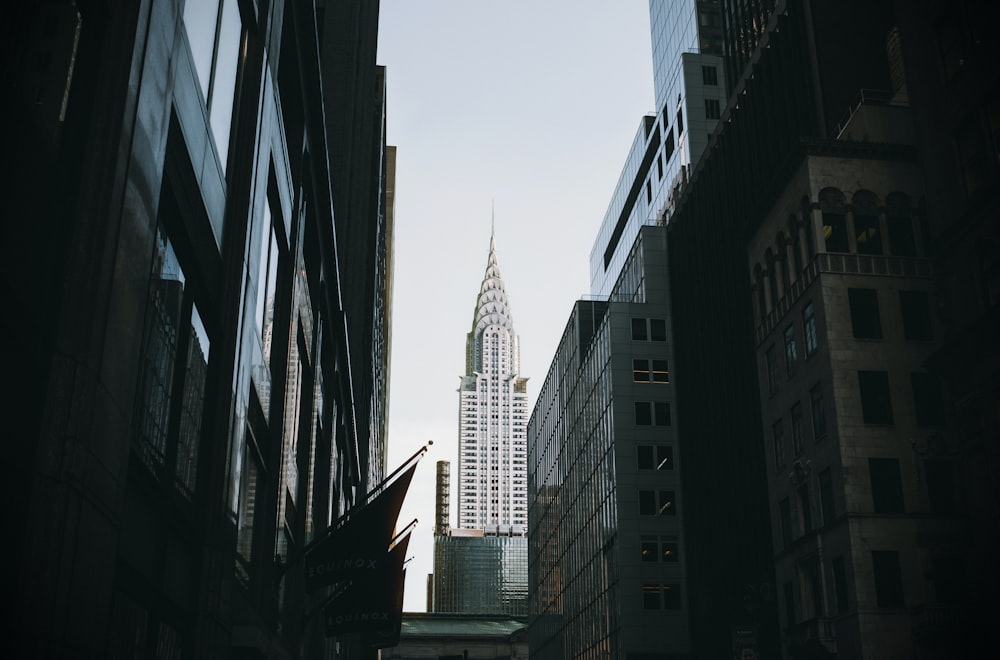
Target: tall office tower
(949,50)
(814,244)
(193,411)
(607,551)
(689,89)
(480,567)
(493,414)
(647,569)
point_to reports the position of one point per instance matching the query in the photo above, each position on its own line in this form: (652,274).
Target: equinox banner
(373,603)
(354,549)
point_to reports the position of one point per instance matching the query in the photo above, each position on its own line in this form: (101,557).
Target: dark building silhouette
(823,208)
(197,289)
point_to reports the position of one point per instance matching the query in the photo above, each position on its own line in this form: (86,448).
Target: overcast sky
(527,107)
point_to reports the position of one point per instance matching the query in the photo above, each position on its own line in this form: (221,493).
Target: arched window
(807,223)
(758,284)
(899,223)
(867,234)
(772,281)
(794,228)
(781,245)
(831,204)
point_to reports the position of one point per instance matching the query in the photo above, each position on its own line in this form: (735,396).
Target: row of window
(655,457)
(914,307)
(652,413)
(946,573)
(818,426)
(661,596)
(650,371)
(865,227)
(791,349)
(649,329)
(657,503)
(876,398)
(887,495)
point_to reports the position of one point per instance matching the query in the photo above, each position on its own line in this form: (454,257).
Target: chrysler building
(493,417)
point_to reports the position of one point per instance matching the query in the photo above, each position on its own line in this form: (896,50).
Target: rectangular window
(901,240)
(791,353)
(649,191)
(643,413)
(771,360)
(189,423)
(671,596)
(835,232)
(888,578)
(248,484)
(940,479)
(840,584)
(661,374)
(214,31)
(680,122)
(668,552)
(644,455)
(818,412)
(805,508)
(712,110)
(173,368)
(668,145)
(876,404)
(668,506)
(826,496)
(809,329)
(927,399)
(778,441)
(664,457)
(864,313)
(647,502)
(916,311)
(785,515)
(639,330)
(650,596)
(649,548)
(267,275)
(709,75)
(661,413)
(640,371)
(887,485)
(796,416)
(657,330)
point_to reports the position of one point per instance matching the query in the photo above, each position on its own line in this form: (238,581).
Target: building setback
(196,407)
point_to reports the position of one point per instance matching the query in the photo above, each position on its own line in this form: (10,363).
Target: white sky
(526,105)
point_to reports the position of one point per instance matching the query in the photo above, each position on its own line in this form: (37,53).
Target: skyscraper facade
(196,409)
(493,414)
(480,567)
(689,85)
(607,553)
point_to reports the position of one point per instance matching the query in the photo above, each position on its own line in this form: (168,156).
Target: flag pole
(339,522)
